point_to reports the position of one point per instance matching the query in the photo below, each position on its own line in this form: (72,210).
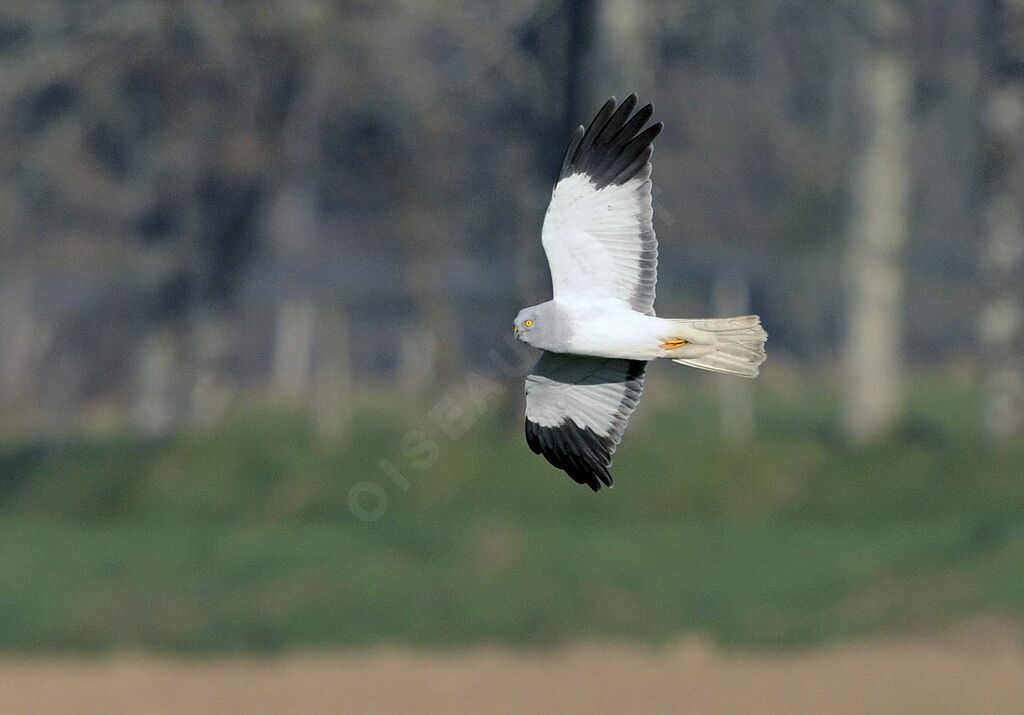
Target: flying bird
(599,331)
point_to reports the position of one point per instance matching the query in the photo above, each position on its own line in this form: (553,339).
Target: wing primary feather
(627,172)
(626,165)
(533,437)
(547,441)
(634,125)
(616,121)
(569,151)
(596,125)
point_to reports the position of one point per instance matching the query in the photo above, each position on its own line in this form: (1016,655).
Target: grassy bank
(246,538)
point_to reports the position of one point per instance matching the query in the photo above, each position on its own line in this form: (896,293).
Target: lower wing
(576,412)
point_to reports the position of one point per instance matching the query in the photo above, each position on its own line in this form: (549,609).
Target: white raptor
(599,330)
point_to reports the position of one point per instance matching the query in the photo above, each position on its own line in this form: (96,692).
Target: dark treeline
(202,201)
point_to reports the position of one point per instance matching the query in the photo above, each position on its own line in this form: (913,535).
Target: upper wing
(576,411)
(597,233)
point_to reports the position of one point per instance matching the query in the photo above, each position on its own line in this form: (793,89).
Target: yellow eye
(528,323)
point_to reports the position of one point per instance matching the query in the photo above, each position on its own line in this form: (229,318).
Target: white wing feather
(600,243)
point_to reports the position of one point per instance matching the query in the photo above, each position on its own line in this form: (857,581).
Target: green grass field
(244,539)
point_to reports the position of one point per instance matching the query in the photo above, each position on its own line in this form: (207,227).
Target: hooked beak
(515,332)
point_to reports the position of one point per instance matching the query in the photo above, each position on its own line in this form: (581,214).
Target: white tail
(734,346)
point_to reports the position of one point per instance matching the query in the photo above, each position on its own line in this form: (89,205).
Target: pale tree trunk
(440,349)
(156,383)
(25,338)
(293,351)
(1002,260)
(20,338)
(877,234)
(211,386)
(735,396)
(626,58)
(293,224)
(332,407)
(417,357)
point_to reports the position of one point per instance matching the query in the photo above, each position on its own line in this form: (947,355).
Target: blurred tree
(878,228)
(1002,259)
(131,174)
(202,201)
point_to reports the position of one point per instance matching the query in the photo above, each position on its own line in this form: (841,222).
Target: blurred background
(258,394)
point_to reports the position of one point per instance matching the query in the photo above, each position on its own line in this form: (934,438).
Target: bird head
(525,324)
(542,326)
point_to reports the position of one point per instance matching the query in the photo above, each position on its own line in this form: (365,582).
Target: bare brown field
(981,671)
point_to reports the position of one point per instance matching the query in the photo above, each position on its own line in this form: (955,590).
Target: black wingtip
(608,150)
(578,451)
